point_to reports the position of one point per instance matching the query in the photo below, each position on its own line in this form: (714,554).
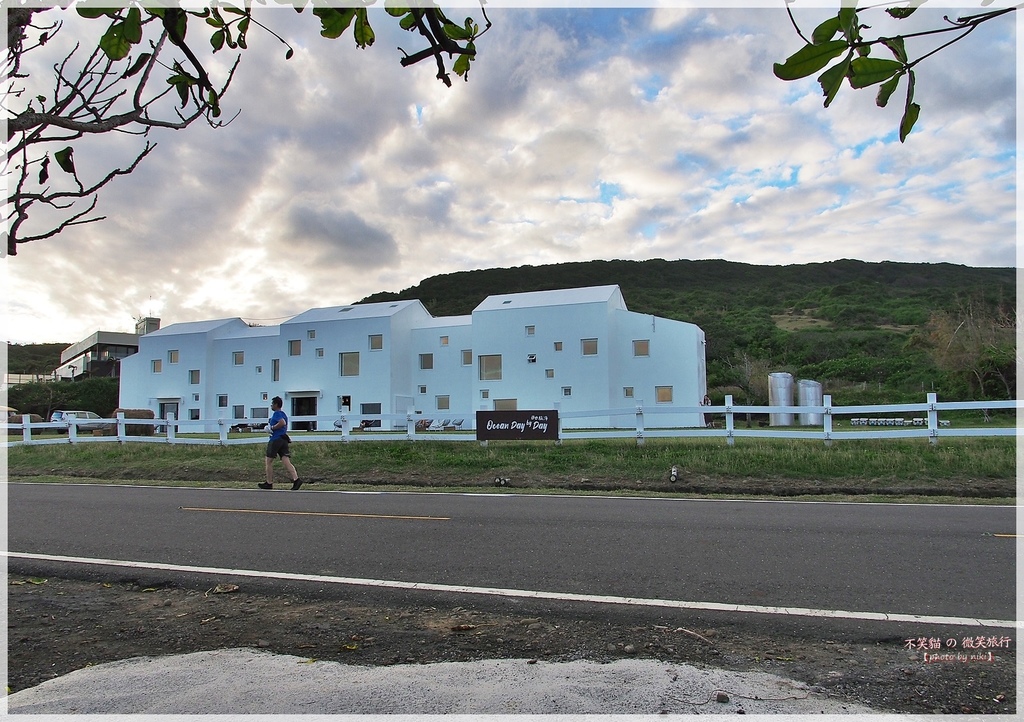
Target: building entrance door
(304,406)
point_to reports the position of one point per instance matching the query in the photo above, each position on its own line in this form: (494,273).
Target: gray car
(86,420)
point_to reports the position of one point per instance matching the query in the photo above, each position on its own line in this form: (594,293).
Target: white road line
(523,593)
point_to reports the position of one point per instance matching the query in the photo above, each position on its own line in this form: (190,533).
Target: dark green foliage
(863,323)
(39,358)
(99,395)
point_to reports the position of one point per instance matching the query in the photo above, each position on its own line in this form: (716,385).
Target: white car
(84,419)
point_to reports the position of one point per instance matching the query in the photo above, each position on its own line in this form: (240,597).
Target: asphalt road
(955,561)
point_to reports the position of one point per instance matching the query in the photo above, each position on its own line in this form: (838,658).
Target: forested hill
(846,323)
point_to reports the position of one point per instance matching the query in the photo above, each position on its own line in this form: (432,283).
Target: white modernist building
(577,349)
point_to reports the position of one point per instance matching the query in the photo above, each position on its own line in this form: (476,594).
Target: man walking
(278,446)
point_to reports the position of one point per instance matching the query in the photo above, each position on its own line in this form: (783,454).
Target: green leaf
(909,118)
(334,21)
(461,66)
(454,32)
(91,12)
(243,25)
(809,60)
(897,46)
(832,79)
(214,105)
(215,22)
(65,159)
(44,170)
(133,26)
(241,42)
(232,10)
(114,43)
(868,71)
(396,12)
(886,90)
(139,64)
(826,31)
(901,13)
(408,22)
(848,23)
(364,36)
(217,40)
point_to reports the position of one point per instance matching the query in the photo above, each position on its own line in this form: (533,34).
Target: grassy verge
(956,469)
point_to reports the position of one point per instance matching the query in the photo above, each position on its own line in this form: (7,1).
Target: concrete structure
(576,349)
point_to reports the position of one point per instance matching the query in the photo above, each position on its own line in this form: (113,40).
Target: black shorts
(278,447)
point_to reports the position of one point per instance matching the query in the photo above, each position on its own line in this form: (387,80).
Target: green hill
(867,331)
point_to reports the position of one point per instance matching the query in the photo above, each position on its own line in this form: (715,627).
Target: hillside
(857,327)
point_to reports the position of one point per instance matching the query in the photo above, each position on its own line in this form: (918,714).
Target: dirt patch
(57,625)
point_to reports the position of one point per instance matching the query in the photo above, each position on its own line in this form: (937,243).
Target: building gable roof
(560,297)
(384,309)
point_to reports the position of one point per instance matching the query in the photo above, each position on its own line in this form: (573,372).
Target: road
(947,561)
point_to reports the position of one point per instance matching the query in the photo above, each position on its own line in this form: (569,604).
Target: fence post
(121,434)
(345,428)
(730,421)
(827,428)
(222,431)
(171,427)
(72,431)
(933,419)
(410,424)
(640,423)
(26,428)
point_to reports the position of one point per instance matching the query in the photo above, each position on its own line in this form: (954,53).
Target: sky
(583,133)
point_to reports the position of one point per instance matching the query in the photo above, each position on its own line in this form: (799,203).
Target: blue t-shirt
(281,430)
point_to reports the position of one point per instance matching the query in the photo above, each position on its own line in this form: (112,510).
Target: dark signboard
(517,425)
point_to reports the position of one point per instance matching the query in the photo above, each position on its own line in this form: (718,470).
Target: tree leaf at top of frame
(809,60)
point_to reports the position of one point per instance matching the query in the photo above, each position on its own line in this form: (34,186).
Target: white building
(573,350)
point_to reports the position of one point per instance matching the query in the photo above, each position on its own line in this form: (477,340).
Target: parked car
(84,419)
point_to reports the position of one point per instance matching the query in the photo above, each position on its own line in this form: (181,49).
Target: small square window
(238,412)
(558,345)
(193,376)
(467,357)
(426,361)
(311,333)
(443,402)
(589,346)
(642,347)
(259,369)
(193,414)
(423,389)
(531,358)
(264,396)
(663,394)
(195,397)
(567,391)
(485,393)
(627,392)
(348,363)
(319,353)
(222,401)
(444,340)
(238,358)
(376,341)
(549,373)
(531,330)
(157,365)
(295,347)
(172,357)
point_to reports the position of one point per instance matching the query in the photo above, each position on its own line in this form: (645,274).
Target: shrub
(134,429)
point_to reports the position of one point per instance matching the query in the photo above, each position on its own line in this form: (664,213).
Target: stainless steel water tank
(780,393)
(808,393)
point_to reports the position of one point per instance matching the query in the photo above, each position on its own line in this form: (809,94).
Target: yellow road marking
(1006,536)
(318,513)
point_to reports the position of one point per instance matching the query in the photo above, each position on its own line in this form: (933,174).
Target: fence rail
(885,421)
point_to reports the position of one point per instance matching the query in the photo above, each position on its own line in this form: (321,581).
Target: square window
(264,396)
(222,401)
(531,358)
(193,414)
(193,376)
(376,341)
(467,357)
(642,347)
(627,392)
(238,358)
(238,412)
(663,394)
(172,357)
(549,373)
(531,330)
(259,412)
(444,340)
(558,345)
(485,393)
(295,347)
(259,369)
(311,333)
(490,367)
(348,363)
(195,397)
(423,389)
(157,365)
(426,361)
(319,353)
(589,346)
(443,402)
(567,391)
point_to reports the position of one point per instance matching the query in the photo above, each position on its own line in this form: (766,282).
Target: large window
(443,402)
(589,346)
(348,363)
(376,341)
(490,367)
(642,347)
(193,376)
(506,405)
(238,412)
(295,347)
(172,356)
(467,357)
(663,394)
(426,360)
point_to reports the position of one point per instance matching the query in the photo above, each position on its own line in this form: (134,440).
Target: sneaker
(265,485)
(296,484)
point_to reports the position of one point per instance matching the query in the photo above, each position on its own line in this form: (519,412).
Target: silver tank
(780,393)
(808,393)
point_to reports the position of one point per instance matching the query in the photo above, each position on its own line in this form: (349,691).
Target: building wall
(571,350)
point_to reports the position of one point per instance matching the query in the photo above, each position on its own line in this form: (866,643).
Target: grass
(956,469)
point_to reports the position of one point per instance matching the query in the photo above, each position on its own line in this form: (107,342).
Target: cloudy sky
(583,133)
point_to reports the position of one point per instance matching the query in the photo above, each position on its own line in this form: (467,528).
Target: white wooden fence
(888,421)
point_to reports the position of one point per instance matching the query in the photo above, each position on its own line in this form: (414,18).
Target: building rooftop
(560,297)
(356,310)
